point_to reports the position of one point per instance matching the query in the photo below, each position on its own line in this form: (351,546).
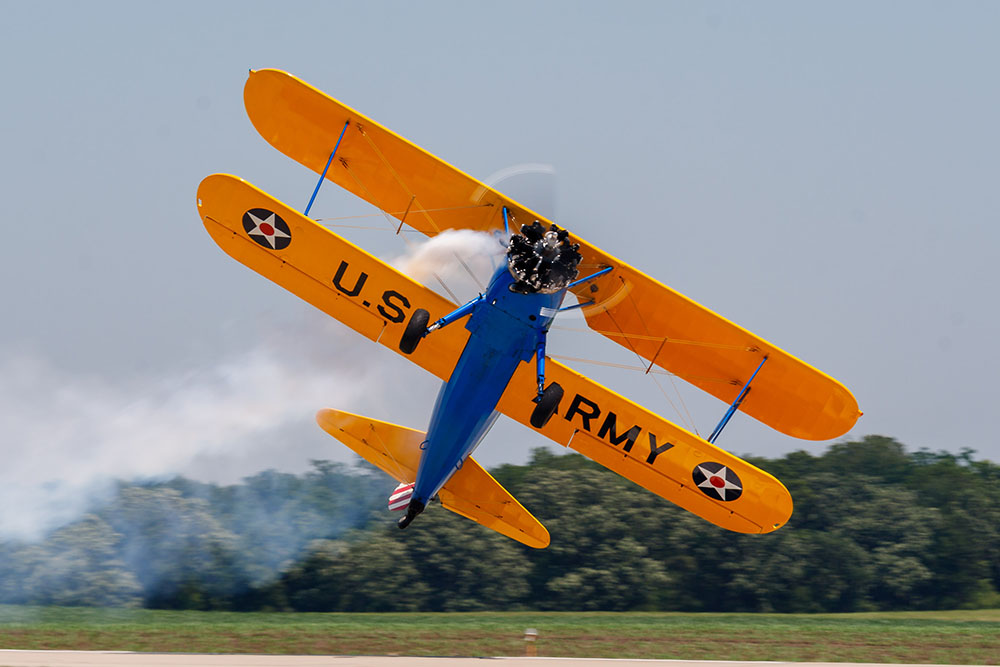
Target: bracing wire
(388,217)
(395,174)
(657,382)
(673,384)
(662,339)
(639,369)
(399,468)
(396,214)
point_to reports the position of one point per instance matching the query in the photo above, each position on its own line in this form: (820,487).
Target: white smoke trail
(441,258)
(67,437)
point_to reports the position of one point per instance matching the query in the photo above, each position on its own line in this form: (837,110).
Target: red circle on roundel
(717,481)
(267,229)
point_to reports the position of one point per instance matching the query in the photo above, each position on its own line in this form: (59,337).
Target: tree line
(874,528)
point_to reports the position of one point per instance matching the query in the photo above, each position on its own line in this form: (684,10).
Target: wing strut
(322,177)
(736,404)
(590,277)
(540,364)
(573,284)
(456,314)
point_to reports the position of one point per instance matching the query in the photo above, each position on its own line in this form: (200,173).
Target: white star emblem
(267,229)
(717,482)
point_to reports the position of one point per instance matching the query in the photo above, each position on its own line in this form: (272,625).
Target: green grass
(956,637)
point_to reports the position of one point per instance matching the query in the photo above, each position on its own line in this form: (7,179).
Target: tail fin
(471,492)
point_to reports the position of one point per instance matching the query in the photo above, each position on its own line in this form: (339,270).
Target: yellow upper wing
(376,300)
(657,323)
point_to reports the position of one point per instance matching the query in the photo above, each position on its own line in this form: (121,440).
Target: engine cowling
(542,261)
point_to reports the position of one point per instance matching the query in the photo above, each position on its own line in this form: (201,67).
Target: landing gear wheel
(415,330)
(547,404)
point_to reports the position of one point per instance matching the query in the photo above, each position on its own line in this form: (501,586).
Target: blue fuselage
(504,328)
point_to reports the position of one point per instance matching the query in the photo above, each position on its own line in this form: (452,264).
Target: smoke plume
(68,437)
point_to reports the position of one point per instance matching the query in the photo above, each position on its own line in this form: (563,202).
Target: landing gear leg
(412,510)
(547,399)
(417,327)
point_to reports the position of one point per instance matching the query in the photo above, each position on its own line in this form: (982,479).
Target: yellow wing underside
(661,325)
(376,300)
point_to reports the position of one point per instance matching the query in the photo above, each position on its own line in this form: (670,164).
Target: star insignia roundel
(267,229)
(717,481)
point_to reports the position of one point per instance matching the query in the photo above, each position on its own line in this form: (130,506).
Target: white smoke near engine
(68,437)
(462,259)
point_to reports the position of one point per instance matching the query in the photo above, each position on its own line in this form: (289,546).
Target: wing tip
(541,543)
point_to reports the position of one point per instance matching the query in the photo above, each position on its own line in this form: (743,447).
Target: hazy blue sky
(825,175)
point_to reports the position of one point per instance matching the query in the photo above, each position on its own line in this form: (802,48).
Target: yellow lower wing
(376,301)
(471,492)
(652,452)
(325,269)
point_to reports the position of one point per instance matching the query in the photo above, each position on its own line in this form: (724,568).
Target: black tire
(415,330)
(547,405)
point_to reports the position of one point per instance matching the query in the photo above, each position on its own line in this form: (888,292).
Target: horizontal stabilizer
(471,492)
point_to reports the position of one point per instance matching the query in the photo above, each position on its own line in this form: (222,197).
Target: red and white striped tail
(400,498)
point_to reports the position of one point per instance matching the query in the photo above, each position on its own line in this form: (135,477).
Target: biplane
(491,352)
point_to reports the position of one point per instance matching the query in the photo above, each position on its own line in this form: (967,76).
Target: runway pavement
(10,658)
